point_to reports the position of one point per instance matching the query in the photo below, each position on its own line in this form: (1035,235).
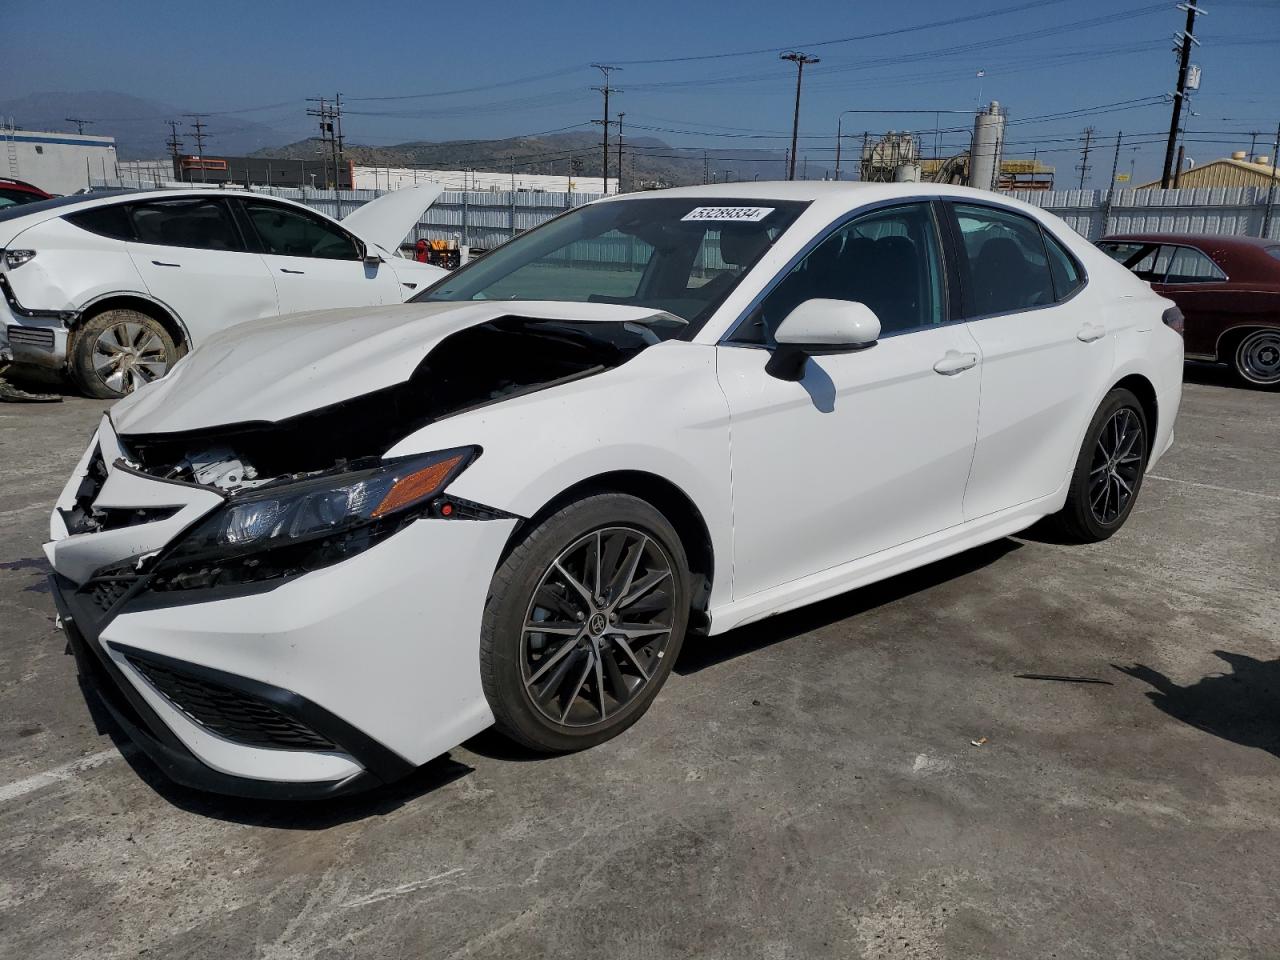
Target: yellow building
(1233,171)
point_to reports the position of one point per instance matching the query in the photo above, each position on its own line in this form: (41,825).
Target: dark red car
(13,192)
(1228,289)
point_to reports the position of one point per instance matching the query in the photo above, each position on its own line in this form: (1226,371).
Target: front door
(316,264)
(870,449)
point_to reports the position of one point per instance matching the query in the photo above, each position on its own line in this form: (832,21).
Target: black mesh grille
(230,713)
(105,594)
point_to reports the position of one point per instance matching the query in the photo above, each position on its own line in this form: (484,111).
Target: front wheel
(119,351)
(583,623)
(1257,359)
(1108,472)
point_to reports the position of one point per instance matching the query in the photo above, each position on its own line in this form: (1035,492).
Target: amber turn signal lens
(415,486)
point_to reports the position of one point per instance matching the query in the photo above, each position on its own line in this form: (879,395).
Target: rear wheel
(119,351)
(1108,472)
(583,623)
(1257,359)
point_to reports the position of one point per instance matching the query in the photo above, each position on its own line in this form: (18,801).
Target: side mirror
(370,258)
(817,327)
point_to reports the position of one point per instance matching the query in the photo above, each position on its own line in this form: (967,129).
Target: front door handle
(1090,332)
(953,362)
(162,263)
(287,270)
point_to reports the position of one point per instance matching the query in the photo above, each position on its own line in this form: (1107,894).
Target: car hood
(387,220)
(272,369)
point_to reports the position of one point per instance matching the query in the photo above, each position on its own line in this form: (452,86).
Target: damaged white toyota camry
(329,547)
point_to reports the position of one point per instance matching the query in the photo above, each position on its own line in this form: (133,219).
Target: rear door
(193,258)
(315,263)
(1046,354)
(1195,283)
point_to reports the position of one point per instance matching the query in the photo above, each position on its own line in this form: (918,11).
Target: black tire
(146,351)
(1080,519)
(507,649)
(1256,359)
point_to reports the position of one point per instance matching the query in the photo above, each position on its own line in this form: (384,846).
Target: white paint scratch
(389,893)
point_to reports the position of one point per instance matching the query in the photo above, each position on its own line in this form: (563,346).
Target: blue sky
(525,66)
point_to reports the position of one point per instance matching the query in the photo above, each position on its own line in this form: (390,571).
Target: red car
(14,192)
(1228,289)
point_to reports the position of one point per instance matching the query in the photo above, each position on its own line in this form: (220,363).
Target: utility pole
(339,159)
(621,114)
(1271,187)
(605,69)
(800,60)
(1186,39)
(1083,165)
(706,168)
(174,143)
(330,134)
(198,122)
(79,122)
(1253,145)
(1111,188)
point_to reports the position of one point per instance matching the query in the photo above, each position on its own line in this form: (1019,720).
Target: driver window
(292,233)
(888,260)
(1008,268)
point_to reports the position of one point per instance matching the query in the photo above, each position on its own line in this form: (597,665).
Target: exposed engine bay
(494,361)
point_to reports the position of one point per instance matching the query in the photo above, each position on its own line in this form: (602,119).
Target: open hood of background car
(273,369)
(388,220)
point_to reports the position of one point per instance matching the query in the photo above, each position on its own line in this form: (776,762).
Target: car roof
(60,206)
(835,192)
(1202,240)
(1245,259)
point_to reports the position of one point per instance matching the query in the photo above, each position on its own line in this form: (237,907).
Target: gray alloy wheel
(597,626)
(1114,472)
(1257,358)
(119,351)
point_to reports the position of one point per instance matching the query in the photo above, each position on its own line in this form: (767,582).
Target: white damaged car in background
(114,288)
(328,548)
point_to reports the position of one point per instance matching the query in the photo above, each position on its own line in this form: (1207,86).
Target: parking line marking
(20,788)
(1210,486)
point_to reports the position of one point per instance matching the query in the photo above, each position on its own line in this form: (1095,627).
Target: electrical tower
(1185,39)
(1084,166)
(330,117)
(606,89)
(197,121)
(79,122)
(174,143)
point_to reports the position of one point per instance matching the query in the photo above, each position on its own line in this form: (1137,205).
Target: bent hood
(387,220)
(269,370)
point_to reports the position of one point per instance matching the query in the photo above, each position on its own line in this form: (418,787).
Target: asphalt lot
(807,787)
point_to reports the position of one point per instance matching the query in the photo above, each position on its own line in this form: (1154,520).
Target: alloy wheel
(598,625)
(128,355)
(1259,357)
(1117,466)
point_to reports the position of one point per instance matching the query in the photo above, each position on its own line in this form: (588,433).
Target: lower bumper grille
(231,714)
(39,337)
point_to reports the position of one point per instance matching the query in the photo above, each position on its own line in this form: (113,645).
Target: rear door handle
(162,263)
(953,362)
(1090,332)
(287,270)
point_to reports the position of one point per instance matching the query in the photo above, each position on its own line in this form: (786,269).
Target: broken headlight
(284,529)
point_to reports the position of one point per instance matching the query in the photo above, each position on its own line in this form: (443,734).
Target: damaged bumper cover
(311,683)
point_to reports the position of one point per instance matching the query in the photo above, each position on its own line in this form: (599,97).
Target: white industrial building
(393,178)
(59,163)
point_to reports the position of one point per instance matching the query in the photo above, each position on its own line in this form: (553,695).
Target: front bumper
(331,682)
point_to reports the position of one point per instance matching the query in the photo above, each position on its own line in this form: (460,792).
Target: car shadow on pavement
(1242,706)
(1211,375)
(699,653)
(281,814)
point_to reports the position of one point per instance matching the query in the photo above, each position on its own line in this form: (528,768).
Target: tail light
(1173,319)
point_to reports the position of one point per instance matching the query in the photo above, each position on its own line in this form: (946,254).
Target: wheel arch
(1145,391)
(1229,339)
(132,301)
(666,497)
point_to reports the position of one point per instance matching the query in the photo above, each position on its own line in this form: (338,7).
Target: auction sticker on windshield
(737,214)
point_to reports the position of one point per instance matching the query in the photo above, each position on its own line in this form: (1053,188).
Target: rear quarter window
(112,221)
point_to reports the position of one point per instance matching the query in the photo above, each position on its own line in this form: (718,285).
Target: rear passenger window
(1066,273)
(1008,265)
(201,223)
(1188,265)
(112,221)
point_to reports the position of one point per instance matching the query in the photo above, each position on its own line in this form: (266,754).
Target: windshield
(682,256)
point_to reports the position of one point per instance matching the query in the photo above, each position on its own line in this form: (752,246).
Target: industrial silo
(988,144)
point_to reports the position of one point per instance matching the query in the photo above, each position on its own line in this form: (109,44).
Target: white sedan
(113,288)
(322,552)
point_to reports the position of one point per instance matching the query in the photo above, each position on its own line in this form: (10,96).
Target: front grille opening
(106,593)
(232,715)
